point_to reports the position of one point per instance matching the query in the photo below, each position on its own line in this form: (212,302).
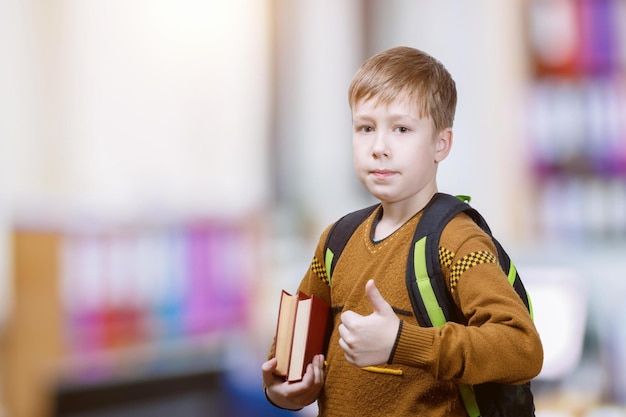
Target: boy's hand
(368,340)
(294,395)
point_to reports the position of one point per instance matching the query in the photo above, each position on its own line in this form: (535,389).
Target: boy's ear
(444,144)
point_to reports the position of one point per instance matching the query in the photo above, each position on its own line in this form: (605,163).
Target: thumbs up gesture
(368,340)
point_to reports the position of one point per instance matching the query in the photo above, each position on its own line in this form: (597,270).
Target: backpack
(431,301)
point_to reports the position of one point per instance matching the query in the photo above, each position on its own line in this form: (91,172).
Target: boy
(379,360)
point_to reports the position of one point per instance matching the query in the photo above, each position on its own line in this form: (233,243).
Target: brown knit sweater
(497,343)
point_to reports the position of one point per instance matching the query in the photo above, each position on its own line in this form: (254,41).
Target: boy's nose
(380,148)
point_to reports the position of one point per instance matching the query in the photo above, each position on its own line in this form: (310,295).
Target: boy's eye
(401,129)
(365,129)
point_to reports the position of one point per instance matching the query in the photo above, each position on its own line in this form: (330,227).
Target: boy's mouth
(382,173)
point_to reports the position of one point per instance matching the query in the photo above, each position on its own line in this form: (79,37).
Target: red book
(301,333)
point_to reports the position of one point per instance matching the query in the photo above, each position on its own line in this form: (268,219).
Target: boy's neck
(394,215)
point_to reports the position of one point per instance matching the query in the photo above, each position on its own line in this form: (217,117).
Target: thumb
(379,304)
(269,365)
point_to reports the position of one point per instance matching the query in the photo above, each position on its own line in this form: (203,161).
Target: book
(301,333)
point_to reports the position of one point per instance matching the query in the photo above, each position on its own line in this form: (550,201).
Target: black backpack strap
(432,303)
(430,298)
(340,234)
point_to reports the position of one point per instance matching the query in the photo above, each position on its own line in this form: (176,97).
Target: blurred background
(166,168)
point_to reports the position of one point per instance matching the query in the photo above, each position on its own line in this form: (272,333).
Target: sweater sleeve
(315,280)
(498,341)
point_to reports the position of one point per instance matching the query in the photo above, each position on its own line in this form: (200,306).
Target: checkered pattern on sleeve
(320,270)
(446,257)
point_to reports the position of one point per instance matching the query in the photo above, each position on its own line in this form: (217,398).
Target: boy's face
(396,152)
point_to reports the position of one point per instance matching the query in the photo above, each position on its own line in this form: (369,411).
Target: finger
(349,357)
(309,376)
(343,331)
(316,373)
(318,368)
(346,337)
(318,361)
(379,304)
(349,317)
(347,349)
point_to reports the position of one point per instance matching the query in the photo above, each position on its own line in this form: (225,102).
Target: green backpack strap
(431,301)
(340,234)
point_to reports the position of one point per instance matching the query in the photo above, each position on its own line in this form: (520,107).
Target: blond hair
(410,74)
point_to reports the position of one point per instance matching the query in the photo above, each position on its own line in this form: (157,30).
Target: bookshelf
(577,163)
(105,304)
(576,125)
